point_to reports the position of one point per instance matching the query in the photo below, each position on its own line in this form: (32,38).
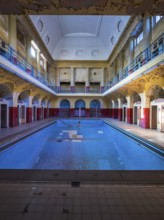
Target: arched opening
(64,110)
(23,102)
(43,113)
(124,109)
(6,101)
(136,108)
(80,108)
(35,108)
(48,108)
(95,108)
(156,94)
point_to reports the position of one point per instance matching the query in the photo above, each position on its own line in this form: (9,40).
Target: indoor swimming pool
(75,144)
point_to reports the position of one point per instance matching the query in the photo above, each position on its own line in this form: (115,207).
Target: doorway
(135,115)
(3,116)
(162,119)
(124,113)
(34,113)
(154,117)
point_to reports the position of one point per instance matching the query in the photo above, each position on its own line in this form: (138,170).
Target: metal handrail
(18,60)
(154,50)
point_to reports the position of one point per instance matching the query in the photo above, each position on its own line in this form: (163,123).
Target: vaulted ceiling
(98,7)
(79,37)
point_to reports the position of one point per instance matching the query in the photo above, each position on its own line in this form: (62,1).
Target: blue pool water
(88,145)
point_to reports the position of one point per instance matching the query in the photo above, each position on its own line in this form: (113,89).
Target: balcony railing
(154,50)
(18,60)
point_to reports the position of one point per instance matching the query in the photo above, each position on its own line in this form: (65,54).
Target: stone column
(12,32)
(119,109)
(145,111)
(58,79)
(13,111)
(131,50)
(102,80)
(87,82)
(29,69)
(147,32)
(72,80)
(28,49)
(129,110)
(38,60)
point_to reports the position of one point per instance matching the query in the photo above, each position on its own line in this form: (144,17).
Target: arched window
(80,104)
(64,104)
(95,108)
(95,104)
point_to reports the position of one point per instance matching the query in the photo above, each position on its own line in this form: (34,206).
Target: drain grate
(75,183)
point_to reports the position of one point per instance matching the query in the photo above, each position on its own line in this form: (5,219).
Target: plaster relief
(96,75)
(81,74)
(65,74)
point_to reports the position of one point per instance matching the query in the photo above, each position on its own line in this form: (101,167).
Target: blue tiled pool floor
(91,146)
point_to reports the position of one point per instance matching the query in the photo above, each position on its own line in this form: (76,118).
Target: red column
(145,120)
(105,112)
(72,112)
(110,112)
(114,113)
(28,114)
(87,112)
(56,112)
(13,116)
(45,113)
(120,114)
(130,115)
(38,113)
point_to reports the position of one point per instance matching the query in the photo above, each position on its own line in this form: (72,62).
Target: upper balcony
(15,63)
(145,61)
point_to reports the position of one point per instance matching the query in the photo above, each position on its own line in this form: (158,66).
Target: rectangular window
(139,38)
(41,62)
(33,52)
(157,19)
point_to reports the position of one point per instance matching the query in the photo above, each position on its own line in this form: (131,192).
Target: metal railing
(154,50)
(18,60)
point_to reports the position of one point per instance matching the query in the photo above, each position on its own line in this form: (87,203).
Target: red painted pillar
(130,115)
(104,112)
(120,114)
(28,114)
(45,113)
(13,116)
(145,118)
(38,113)
(110,112)
(113,110)
(72,112)
(87,112)
(114,113)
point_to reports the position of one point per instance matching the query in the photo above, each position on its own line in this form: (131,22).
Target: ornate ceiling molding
(112,7)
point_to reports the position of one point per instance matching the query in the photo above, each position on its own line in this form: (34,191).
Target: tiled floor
(100,195)
(40,201)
